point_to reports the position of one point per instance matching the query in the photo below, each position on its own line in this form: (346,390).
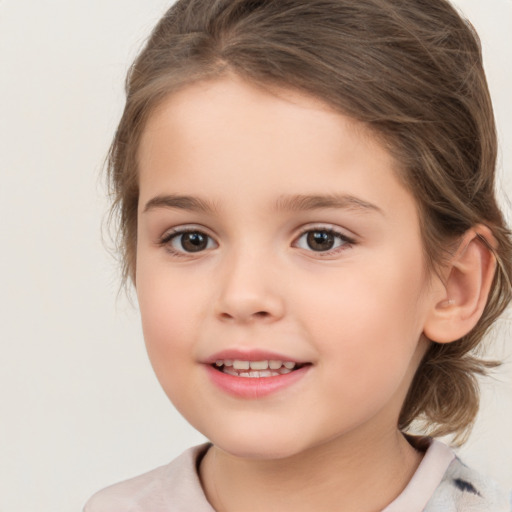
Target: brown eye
(320,240)
(194,242)
(323,240)
(188,242)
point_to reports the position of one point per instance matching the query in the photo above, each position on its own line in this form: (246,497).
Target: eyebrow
(190,203)
(299,202)
(316,202)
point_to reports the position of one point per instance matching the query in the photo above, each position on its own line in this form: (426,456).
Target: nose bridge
(249,288)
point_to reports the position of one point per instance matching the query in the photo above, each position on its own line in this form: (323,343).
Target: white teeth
(259,365)
(257,369)
(241,365)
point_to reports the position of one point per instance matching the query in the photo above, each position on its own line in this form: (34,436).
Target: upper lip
(250,355)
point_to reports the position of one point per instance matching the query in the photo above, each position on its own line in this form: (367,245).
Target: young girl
(305,191)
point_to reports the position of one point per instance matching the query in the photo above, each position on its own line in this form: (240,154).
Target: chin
(259,444)
(257,450)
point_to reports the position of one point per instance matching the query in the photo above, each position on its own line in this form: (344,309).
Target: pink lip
(252,387)
(250,355)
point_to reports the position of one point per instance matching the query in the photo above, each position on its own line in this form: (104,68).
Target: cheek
(167,325)
(380,299)
(368,322)
(169,309)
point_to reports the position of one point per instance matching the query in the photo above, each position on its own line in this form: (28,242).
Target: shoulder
(130,495)
(173,487)
(442,483)
(463,488)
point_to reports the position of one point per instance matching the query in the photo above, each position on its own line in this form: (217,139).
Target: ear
(465,288)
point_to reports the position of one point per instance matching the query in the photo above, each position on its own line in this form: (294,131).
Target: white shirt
(442,483)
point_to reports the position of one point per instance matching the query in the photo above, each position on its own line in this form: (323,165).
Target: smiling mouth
(256,369)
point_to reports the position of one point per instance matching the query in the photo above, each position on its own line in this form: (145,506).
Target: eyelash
(166,240)
(346,242)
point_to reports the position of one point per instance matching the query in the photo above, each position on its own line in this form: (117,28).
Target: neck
(336,475)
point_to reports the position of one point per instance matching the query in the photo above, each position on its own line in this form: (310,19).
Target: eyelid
(332,228)
(184,228)
(174,232)
(349,240)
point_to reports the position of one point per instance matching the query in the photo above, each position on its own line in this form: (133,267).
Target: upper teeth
(255,365)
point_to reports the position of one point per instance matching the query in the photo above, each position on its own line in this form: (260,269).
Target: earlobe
(468,280)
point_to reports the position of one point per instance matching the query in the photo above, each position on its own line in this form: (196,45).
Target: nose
(250,291)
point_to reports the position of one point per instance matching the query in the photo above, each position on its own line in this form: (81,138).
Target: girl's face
(273,230)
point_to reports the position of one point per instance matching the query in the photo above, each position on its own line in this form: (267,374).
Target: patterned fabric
(463,489)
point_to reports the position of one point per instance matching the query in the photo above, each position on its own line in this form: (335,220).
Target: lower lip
(254,387)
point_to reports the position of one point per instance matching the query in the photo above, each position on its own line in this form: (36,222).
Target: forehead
(245,109)
(212,138)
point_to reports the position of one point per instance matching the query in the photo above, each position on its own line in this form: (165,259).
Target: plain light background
(79,405)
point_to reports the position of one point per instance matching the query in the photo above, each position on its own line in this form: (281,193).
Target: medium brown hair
(411,70)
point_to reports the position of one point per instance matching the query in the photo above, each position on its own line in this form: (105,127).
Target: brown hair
(412,71)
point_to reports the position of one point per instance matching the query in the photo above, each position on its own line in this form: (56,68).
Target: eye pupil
(320,240)
(194,242)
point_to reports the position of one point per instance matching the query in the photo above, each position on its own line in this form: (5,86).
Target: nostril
(258,315)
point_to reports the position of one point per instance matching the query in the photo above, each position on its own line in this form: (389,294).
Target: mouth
(255,373)
(256,369)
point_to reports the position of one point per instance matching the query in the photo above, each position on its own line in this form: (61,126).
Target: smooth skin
(232,164)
